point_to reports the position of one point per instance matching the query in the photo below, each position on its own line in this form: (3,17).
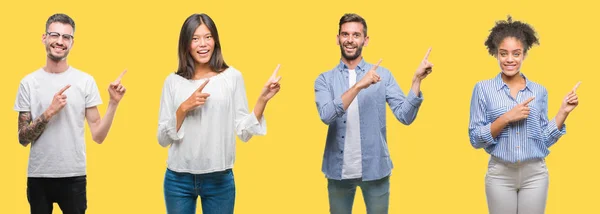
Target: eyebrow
(202,35)
(509,51)
(353,33)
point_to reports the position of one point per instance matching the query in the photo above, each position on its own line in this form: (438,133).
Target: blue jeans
(216,191)
(376,194)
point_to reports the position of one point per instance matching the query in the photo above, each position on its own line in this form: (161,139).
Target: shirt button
(518,147)
(342,151)
(342,136)
(344,121)
(517,132)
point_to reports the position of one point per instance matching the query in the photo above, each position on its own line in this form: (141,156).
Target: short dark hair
(352,17)
(509,28)
(186,62)
(62,18)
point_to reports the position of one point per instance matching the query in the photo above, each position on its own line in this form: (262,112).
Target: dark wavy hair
(509,28)
(352,17)
(61,18)
(186,62)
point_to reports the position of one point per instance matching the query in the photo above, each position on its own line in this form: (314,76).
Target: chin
(510,73)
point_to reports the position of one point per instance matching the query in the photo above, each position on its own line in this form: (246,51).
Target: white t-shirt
(60,149)
(206,140)
(352,167)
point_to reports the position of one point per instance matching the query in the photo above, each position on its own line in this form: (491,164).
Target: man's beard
(354,56)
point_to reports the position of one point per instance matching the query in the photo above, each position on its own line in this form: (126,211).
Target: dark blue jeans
(216,191)
(375,193)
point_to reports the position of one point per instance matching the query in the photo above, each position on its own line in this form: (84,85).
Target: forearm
(498,125)
(349,96)
(30,131)
(416,86)
(105,123)
(259,108)
(180,116)
(560,118)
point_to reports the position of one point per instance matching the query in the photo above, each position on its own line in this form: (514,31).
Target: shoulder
(486,84)
(232,72)
(536,87)
(80,74)
(327,74)
(31,76)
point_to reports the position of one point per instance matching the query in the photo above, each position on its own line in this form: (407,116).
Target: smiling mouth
(202,52)
(60,48)
(350,48)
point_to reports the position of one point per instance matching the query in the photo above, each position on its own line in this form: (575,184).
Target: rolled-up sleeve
(329,107)
(479,128)
(246,124)
(550,131)
(167,120)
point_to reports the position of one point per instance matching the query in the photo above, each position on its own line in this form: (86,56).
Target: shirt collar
(500,84)
(359,68)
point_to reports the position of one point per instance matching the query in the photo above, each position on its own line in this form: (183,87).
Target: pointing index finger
(427,54)
(63,89)
(377,65)
(203,85)
(528,101)
(276,70)
(121,76)
(576,86)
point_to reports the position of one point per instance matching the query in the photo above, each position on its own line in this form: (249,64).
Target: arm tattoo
(30,131)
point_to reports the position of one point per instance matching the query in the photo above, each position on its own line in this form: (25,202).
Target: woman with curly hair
(509,119)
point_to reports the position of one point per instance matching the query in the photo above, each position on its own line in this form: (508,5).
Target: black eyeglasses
(55,35)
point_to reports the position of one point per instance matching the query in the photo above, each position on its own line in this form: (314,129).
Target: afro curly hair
(509,28)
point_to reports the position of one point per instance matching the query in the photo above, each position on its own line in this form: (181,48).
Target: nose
(59,41)
(202,42)
(510,58)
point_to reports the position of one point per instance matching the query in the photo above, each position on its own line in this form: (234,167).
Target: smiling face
(202,45)
(58,40)
(351,40)
(510,56)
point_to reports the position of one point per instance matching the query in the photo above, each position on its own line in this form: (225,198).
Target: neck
(56,66)
(351,63)
(202,71)
(513,80)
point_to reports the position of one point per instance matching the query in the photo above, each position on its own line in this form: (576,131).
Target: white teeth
(202,52)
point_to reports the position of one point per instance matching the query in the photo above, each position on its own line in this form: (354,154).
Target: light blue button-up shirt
(330,86)
(523,140)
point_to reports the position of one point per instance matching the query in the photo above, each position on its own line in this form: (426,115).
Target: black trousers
(69,193)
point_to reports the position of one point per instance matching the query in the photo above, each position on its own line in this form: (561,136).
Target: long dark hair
(186,62)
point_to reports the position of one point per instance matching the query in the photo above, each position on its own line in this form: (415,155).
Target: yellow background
(436,169)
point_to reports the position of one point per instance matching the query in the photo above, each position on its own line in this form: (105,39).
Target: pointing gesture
(519,112)
(197,99)
(58,102)
(570,101)
(371,77)
(425,68)
(272,85)
(116,90)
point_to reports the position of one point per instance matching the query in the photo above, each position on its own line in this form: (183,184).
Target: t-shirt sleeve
(23,102)
(92,96)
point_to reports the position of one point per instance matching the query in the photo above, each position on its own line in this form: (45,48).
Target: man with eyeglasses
(53,103)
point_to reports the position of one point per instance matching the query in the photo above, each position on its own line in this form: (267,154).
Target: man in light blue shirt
(351,100)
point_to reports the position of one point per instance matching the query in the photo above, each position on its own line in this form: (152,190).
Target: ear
(337,39)
(366,40)
(44,38)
